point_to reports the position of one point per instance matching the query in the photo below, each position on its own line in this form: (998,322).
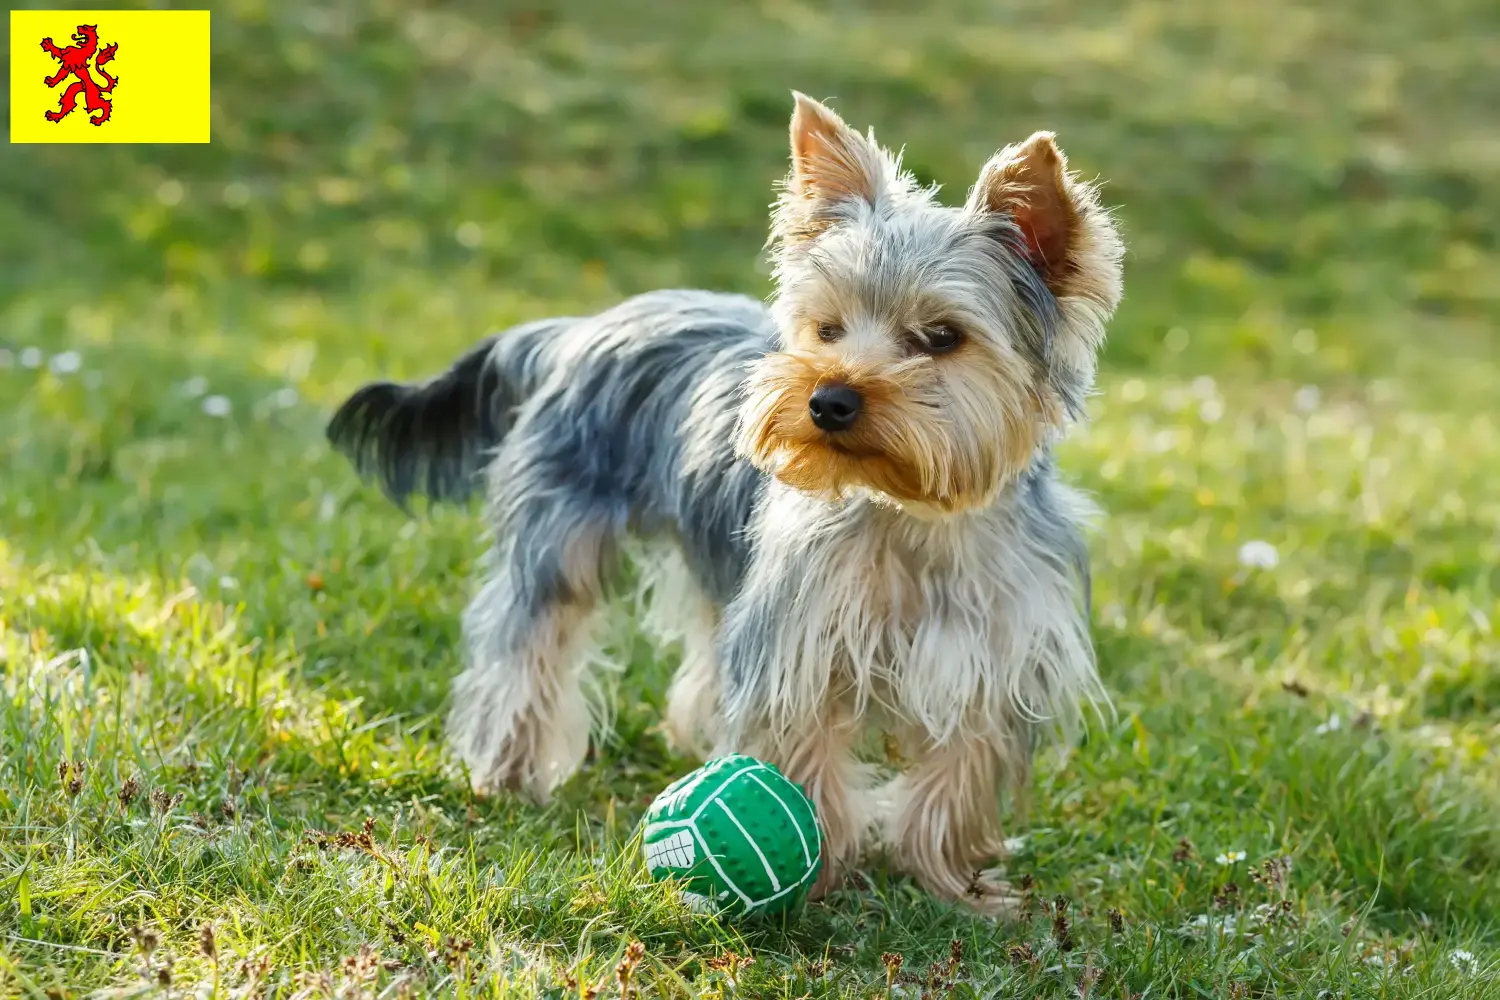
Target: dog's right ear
(831,161)
(834,171)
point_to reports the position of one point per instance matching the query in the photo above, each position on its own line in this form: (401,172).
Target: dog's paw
(494,783)
(686,740)
(989,895)
(532,789)
(506,777)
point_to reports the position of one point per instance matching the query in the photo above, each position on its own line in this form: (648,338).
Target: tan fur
(1029,180)
(944,815)
(523,725)
(943,433)
(1074,239)
(692,703)
(675,612)
(830,162)
(959,625)
(905,446)
(941,616)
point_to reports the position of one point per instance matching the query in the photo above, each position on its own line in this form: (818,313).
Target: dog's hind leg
(519,719)
(678,612)
(693,698)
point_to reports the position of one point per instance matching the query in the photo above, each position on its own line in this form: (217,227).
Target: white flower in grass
(31,357)
(1333,725)
(1307,398)
(1463,960)
(195,387)
(217,406)
(1259,554)
(285,398)
(469,234)
(1230,857)
(228,582)
(66,363)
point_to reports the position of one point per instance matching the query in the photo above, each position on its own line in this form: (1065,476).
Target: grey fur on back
(589,427)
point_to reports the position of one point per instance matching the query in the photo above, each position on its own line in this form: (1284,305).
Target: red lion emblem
(75,62)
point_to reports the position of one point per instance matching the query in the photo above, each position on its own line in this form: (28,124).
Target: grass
(246,651)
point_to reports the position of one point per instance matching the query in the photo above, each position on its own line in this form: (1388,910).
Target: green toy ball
(740,837)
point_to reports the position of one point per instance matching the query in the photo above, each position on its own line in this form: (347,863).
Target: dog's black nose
(834,407)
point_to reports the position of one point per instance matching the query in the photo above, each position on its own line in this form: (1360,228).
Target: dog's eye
(940,339)
(829,332)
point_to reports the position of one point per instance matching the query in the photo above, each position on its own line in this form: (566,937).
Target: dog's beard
(906,445)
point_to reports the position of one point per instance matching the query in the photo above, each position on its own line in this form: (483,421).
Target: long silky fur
(804,615)
(426,437)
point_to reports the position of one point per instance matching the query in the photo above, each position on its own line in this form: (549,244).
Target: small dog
(858,522)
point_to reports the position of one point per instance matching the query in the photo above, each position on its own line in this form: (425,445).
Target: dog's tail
(435,437)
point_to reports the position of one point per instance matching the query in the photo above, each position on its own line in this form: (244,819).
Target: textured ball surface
(741,838)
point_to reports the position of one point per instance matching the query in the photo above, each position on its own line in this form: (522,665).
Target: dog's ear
(1029,182)
(1071,242)
(831,161)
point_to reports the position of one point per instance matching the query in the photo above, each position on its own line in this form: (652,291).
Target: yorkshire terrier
(858,523)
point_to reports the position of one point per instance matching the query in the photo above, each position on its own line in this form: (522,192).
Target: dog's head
(926,352)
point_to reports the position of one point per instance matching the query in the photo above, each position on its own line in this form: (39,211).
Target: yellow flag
(109,76)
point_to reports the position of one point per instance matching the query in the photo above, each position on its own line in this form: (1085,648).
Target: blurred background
(1297,436)
(388,179)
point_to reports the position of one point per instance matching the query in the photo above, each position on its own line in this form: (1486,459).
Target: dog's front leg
(945,817)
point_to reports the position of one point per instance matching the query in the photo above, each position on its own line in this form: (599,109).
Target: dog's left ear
(1029,182)
(830,161)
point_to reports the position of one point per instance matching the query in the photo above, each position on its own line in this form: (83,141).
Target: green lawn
(247,651)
